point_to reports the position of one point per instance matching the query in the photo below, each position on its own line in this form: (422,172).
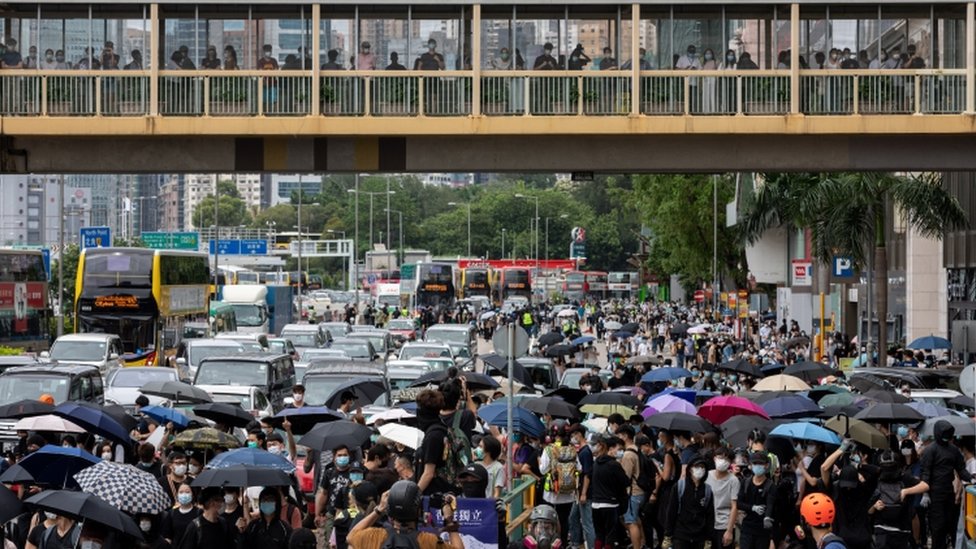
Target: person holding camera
(402,505)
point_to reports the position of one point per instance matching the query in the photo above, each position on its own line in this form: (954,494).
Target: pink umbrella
(648,412)
(671,403)
(720,409)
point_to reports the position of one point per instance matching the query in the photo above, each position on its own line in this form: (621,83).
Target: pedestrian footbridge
(132,87)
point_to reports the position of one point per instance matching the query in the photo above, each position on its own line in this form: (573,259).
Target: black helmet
(404,501)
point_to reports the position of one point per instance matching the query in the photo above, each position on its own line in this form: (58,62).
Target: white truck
(250,303)
(386,294)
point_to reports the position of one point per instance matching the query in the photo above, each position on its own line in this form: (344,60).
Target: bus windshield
(124,269)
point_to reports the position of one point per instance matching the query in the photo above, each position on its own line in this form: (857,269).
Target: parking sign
(842,269)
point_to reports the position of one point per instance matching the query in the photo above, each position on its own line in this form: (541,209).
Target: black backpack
(646,472)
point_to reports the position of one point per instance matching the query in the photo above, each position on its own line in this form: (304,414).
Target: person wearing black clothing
(610,485)
(208,530)
(581,515)
(691,511)
(430,455)
(233,510)
(940,463)
(850,490)
(755,499)
(545,62)
(44,521)
(892,504)
(177,520)
(151,536)
(268,531)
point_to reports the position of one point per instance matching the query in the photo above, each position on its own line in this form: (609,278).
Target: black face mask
(472,490)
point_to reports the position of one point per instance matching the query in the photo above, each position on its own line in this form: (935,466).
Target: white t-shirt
(724,492)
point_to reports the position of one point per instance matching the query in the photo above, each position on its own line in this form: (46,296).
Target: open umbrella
(554,406)
(806,431)
(720,409)
(886,397)
(622,335)
(858,431)
(889,413)
(366,390)
(305,419)
(741,366)
(679,329)
(411,437)
(794,341)
(205,438)
(929,410)
(53,465)
(15,474)
(125,487)
(392,415)
(163,415)
(10,504)
(475,381)
(241,476)
(560,350)
(497,363)
(664,374)
(177,391)
(631,327)
(85,506)
(612,325)
(224,413)
(25,408)
(565,313)
(809,371)
(550,338)
(643,359)
(671,403)
(792,406)
(865,383)
(736,430)
(329,436)
(820,391)
(569,394)
(48,423)
(930,342)
(964,426)
(781,382)
(523,421)
(963,401)
(839,399)
(619,399)
(678,421)
(251,457)
(582,340)
(95,420)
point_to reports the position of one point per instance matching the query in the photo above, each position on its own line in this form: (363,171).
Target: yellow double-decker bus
(142,295)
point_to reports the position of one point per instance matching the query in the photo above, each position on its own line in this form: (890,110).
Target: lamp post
(61,256)
(345,276)
(371,195)
(503,243)
(468,204)
(561,216)
(400,220)
(535,254)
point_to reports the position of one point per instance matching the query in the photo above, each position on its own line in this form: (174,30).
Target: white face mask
(811,449)
(906,452)
(179,470)
(722,465)
(50,516)
(298,397)
(194,469)
(106,455)
(276,450)
(698,472)
(91,544)
(229,498)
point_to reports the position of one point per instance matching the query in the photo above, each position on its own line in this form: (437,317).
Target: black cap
(759,457)
(475,470)
(547,46)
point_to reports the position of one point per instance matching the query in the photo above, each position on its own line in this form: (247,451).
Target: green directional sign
(172,241)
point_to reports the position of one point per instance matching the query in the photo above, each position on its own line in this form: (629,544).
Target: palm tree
(847,213)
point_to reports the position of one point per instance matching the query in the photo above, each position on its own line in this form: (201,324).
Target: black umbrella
(474,380)
(611,398)
(887,397)
(809,371)
(365,390)
(679,329)
(644,359)
(850,410)
(868,382)
(15,474)
(25,408)
(330,436)
(498,363)
(304,419)
(762,398)
(554,406)
(679,421)
(738,428)
(10,506)
(889,413)
(225,413)
(550,338)
(85,506)
(569,394)
(560,350)
(631,327)
(242,476)
(793,342)
(742,366)
(963,401)
(176,391)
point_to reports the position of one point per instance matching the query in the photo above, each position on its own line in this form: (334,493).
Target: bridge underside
(488,153)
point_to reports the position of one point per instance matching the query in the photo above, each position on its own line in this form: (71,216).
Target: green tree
(231,209)
(679,210)
(848,213)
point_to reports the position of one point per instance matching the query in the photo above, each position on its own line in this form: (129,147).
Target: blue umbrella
(622,335)
(56,465)
(165,415)
(252,457)
(582,340)
(791,407)
(95,420)
(523,421)
(930,342)
(806,431)
(665,374)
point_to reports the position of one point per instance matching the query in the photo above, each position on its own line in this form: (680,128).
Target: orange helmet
(47,399)
(817,510)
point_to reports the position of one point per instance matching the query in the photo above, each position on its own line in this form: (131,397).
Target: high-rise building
(283,185)
(106,197)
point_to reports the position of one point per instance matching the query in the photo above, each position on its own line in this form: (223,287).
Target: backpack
(890,494)
(395,540)
(681,493)
(645,472)
(457,450)
(74,536)
(563,473)
(833,541)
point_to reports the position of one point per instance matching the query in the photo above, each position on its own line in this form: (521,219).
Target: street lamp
(468,204)
(301,280)
(400,249)
(536,221)
(503,243)
(345,275)
(561,216)
(371,195)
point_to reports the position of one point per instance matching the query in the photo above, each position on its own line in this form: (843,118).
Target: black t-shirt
(55,541)
(337,483)
(433,450)
(232,517)
(430,62)
(35,534)
(175,523)
(897,513)
(211,535)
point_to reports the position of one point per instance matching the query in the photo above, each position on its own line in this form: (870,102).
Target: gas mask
(542,535)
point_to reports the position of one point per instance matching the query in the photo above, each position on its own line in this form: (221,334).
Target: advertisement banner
(802,272)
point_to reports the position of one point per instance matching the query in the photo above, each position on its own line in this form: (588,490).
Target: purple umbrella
(648,412)
(671,403)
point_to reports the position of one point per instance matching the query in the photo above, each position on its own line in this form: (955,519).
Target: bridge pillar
(635,63)
(794,58)
(316,47)
(154,59)
(970,59)
(476,60)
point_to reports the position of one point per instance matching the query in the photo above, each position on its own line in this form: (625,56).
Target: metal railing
(503,93)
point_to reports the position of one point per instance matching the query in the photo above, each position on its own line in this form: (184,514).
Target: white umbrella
(612,325)
(567,313)
(393,414)
(411,437)
(487,315)
(48,422)
(700,329)
(596,425)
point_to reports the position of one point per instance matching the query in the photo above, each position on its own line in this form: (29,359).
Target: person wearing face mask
(233,511)
(64,533)
(297,397)
(40,522)
(610,497)
(378,470)
(892,503)
(689,61)
(709,104)
(176,476)
(151,538)
(668,460)
(276,445)
(176,521)
(211,61)
(366,59)
(403,505)
(106,452)
(430,60)
(691,513)
(268,530)
(503,62)
(725,488)
(581,515)
(487,453)
(941,463)
(560,466)
(332,497)
(48,63)
(146,453)
(256,439)
(95,536)
(755,499)
(194,464)
(849,486)
(208,530)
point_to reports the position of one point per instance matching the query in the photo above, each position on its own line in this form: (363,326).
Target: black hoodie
(940,461)
(610,482)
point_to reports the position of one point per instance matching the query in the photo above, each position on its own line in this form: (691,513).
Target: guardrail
(519,502)
(502,93)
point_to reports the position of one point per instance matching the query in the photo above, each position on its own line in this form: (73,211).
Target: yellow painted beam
(367,151)
(275,153)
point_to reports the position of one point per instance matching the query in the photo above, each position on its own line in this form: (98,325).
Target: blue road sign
(96,237)
(46,254)
(842,268)
(254,246)
(227,247)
